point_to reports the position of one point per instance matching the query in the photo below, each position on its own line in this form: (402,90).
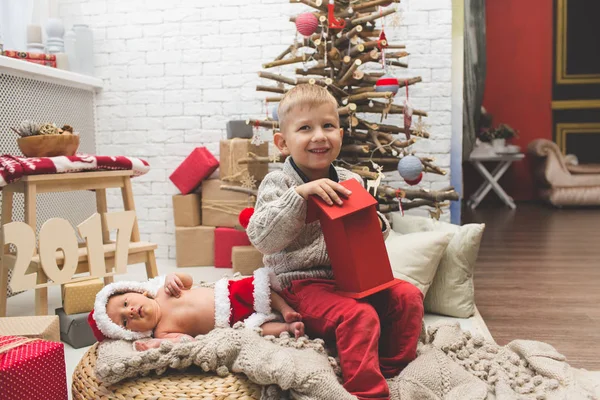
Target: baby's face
(133,311)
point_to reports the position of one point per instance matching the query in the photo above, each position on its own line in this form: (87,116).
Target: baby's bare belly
(193,313)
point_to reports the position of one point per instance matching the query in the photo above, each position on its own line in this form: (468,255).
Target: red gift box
(354,242)
(194,169)
(32,370)
(225,239)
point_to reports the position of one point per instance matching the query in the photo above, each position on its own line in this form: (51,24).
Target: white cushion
(452,292)
(415,257)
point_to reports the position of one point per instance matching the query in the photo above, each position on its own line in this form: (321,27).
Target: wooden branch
(372,17)
(396,46)
(273,99)
(264,124)
(286,61)
(285,52)
(349,35)
(370,95)
(406,205)
(276,77)
(429,167)
(394,109)
(239,189)
(398,129)
(374,3)
(398,54)
(369,33)
(317,4)
(364,172)
(340,92)
(355,149)
(350,108)
(317,81)
(273,89)
(397,63)
(349,73)
(313,71)
(365,89)
(373,44)
(411,194)
(357,49)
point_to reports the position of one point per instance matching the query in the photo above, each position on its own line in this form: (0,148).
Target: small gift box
(186,209)
(195,246)
(234,150)
(246,259)
(199,165)
(222,207)
(79,297)
(225,240)
(41,327)
(75,329)
(32,369)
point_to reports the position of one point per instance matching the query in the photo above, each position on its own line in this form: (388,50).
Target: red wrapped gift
(194,169)
(225,239)
(32,369)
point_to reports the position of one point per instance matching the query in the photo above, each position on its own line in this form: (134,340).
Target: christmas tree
(340,46)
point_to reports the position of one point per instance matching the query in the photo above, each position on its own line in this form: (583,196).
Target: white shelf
(38,72)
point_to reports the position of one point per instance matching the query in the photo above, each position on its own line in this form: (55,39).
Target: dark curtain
(475,69)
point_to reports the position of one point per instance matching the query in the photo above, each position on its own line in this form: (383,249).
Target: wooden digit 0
(57,233)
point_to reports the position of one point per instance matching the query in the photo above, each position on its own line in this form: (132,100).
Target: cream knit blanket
(452,364)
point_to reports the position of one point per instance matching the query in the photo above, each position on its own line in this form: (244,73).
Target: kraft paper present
(195,246)
(42,327)
(79,297)
(186,209)
(233,150)
(222,207)
(246,259)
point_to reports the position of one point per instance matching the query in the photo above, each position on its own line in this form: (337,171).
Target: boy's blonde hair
(304,95)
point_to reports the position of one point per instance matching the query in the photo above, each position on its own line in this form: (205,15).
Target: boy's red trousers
(376,337)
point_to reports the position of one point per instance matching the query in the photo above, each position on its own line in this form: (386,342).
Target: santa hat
(102,326)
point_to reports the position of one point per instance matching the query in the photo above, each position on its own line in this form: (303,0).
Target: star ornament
(420,128)
(248,181)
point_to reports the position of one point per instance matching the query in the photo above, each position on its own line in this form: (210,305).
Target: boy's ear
(280,143)
(342,133)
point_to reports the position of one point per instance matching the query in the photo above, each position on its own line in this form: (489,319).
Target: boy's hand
(173,285)
(324,188)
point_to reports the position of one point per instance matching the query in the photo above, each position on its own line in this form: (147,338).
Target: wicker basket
(192,383)
(49,145)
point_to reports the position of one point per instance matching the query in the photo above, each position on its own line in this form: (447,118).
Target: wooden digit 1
(58,234)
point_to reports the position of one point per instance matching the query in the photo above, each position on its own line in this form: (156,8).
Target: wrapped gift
(222,207)
(32,369)
(225,240)
(195,246)
(234,150)
(199,165)
(239,129)
(186,209)
(246,259)
(79,297)
(75,329)
(42,327)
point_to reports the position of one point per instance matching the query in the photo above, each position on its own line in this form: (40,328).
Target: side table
(98,181)
(491,179)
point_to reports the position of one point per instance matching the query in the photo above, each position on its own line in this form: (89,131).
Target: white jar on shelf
(71,50)
(84,49)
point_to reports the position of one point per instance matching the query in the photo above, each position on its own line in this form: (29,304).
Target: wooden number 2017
(57,233)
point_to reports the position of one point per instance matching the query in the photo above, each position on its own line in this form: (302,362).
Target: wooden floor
(538,277)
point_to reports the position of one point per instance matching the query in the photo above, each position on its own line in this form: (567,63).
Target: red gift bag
(32,369)
(194,169)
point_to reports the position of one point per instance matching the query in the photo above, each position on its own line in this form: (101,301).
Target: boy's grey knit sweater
(292,248)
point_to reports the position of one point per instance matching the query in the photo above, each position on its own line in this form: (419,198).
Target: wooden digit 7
(57,233)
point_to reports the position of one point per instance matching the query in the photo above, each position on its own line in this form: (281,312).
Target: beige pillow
(415,257)
(452,292)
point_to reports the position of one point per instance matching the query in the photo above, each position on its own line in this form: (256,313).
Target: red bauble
(414,181)
(245,216)
(307,23)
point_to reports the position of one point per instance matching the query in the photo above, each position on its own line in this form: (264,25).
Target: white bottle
(71,50)
(55,31)
(84,49)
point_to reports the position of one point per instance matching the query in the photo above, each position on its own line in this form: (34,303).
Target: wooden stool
(98,181)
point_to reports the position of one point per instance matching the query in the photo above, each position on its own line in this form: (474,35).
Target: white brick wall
(176,71)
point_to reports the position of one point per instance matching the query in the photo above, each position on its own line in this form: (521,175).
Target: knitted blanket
(451,365)
(13,168)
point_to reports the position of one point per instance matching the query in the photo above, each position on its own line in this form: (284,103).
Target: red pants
(376,337)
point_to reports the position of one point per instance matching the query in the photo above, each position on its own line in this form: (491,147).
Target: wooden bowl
(49,145)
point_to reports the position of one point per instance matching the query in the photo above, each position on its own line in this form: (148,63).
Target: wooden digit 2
(56,237)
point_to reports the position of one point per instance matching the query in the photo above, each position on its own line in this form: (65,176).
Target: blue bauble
(410,168)
(387,83)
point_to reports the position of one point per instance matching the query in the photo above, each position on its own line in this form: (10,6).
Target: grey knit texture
(292,248)
(452,364)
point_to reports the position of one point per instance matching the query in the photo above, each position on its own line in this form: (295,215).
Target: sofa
(560,180)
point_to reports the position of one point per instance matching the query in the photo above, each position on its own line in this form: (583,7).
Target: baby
(137,310)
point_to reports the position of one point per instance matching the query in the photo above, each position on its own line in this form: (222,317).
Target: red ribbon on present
(400,196)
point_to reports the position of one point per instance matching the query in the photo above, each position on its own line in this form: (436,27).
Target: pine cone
(67,128)
(28,128)
(48,129)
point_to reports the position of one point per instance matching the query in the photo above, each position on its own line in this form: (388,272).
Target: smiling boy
(375,337)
